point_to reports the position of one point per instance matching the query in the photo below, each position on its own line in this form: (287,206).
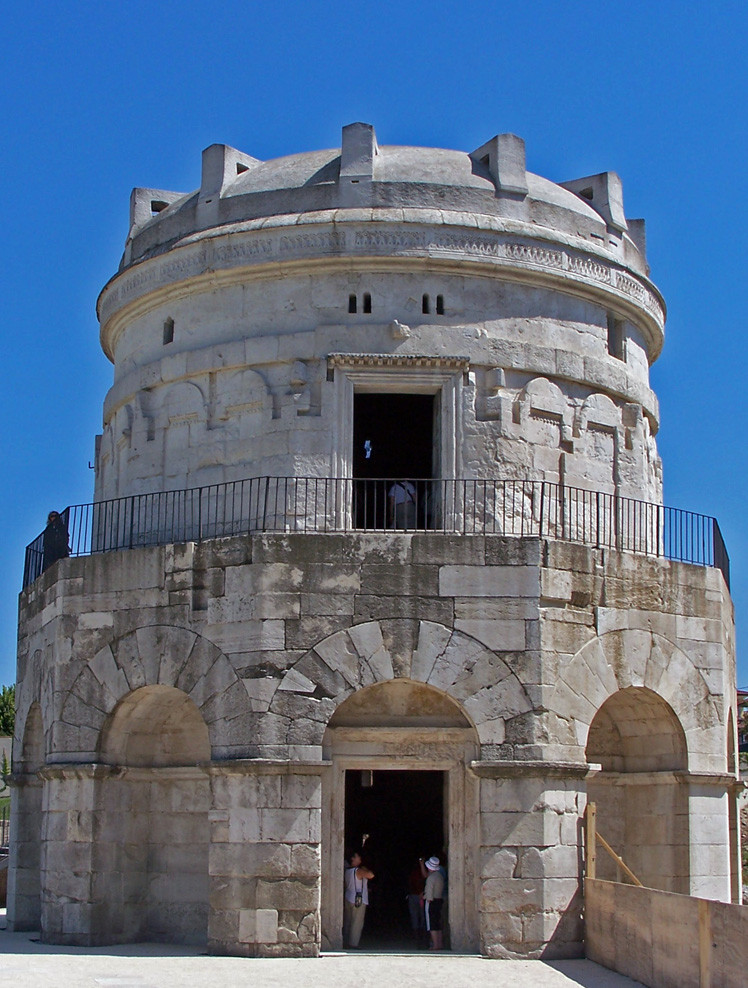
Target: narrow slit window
(352,303)
(367,302)
(440,305)
(168,331)
(425,305)
(616,337)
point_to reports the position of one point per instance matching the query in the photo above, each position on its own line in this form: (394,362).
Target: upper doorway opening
(396,437)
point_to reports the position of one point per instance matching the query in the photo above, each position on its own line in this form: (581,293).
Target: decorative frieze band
(397,360)
(266,246)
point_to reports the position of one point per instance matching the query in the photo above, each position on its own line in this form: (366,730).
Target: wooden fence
(662,939)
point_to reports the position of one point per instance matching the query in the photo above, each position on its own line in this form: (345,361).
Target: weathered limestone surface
(187,713)
(530,673)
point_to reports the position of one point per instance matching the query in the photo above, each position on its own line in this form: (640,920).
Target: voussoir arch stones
(462,667)
(637,658)
(156,655)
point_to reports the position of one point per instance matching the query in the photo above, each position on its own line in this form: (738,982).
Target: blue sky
(99,97)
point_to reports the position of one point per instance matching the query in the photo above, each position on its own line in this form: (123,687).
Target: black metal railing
(323,504)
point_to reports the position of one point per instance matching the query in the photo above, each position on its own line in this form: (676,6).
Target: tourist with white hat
(433,900)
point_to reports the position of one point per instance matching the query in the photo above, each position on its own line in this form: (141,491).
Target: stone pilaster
(69,913)
(531,852)
(24,908)
(709,836)
(264,861)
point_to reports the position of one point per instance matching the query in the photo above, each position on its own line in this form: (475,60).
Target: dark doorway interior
(394,437)
(403,815)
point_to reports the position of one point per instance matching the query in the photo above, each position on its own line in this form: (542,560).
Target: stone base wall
(259,643)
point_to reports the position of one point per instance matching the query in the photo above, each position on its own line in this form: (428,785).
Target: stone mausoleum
(377,555)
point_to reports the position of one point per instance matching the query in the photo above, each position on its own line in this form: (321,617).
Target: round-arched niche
(400,703)
(155,727)
(640,746)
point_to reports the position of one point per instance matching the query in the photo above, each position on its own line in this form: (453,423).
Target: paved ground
(26,964)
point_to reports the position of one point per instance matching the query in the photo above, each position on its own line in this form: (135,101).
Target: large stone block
(489,581)
(258,925)
(288,894)
(538,829)
(295,826)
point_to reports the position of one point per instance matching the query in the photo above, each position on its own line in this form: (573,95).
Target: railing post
(590,820)
(562,505)
(542,507)
(132,519)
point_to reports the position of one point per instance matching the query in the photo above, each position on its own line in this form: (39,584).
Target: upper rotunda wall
(233,302)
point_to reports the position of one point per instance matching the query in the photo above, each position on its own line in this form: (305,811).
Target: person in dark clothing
(416,883)
(55,539)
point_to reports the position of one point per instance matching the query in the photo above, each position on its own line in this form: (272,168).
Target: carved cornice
(228,257)
(669,777)
(520,769)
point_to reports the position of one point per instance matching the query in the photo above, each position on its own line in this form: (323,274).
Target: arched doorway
(153,818)
(640,791)
(399,751)
(24,876)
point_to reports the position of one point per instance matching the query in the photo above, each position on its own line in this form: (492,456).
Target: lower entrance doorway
(396,817)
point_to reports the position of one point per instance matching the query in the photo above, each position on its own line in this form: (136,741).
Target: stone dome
(394,178)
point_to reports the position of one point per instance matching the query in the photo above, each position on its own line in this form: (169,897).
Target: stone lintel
(388,733)
(80,770)
(95,770)
(268,766)
(668,777)
(517,769)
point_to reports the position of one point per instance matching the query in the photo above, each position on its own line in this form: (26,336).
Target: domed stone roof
(490,185)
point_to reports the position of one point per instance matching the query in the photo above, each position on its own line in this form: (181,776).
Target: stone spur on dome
(377,556)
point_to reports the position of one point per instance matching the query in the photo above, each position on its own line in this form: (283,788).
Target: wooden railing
(592,839)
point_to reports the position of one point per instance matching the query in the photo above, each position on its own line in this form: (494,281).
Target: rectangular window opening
(367,302)
(440,305)
(352,303)
(425,305)
(168,331)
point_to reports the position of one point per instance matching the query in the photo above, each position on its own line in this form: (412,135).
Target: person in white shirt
(356,899)
(402,504)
